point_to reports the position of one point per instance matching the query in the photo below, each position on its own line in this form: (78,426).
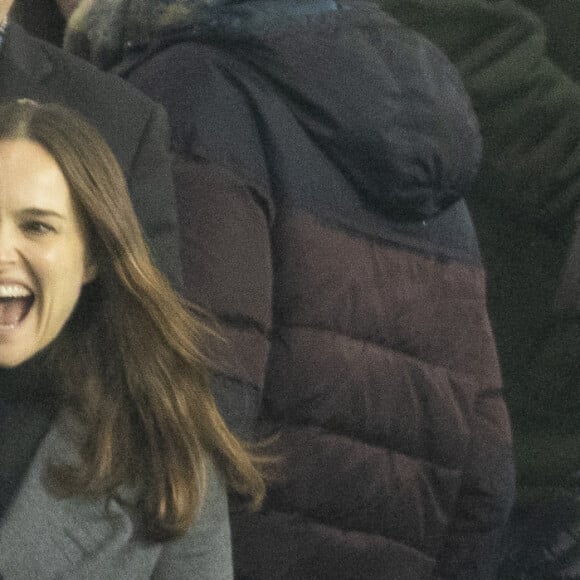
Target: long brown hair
(130,360)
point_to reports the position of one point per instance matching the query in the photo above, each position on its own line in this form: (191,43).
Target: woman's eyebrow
(40,212)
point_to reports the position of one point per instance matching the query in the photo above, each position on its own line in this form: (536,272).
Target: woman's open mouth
(15,303)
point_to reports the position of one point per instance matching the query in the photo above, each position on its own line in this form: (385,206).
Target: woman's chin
(19,349)
(12,361)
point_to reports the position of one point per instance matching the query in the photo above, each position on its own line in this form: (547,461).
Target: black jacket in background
(133,126)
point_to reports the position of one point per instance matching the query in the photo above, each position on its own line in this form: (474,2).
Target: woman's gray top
(43,537)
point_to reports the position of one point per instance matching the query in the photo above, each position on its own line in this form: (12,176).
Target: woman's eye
(36,227)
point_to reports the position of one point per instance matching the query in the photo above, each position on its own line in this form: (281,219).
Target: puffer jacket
(322,154)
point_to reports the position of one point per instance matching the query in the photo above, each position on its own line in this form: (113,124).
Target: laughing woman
(114,461)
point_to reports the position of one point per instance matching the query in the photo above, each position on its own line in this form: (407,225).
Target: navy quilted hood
(400,128)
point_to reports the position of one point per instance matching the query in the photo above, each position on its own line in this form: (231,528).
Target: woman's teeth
(15,303)
(14,291)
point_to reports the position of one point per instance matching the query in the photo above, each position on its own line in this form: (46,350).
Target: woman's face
(43,255)
(5,6)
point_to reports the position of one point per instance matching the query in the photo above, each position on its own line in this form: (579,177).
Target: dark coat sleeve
(152,193)
(473,548)
(228,272)
(561,19)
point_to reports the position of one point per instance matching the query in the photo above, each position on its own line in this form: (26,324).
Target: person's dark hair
(129,361)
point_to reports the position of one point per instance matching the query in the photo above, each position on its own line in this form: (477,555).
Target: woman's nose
(8,244)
